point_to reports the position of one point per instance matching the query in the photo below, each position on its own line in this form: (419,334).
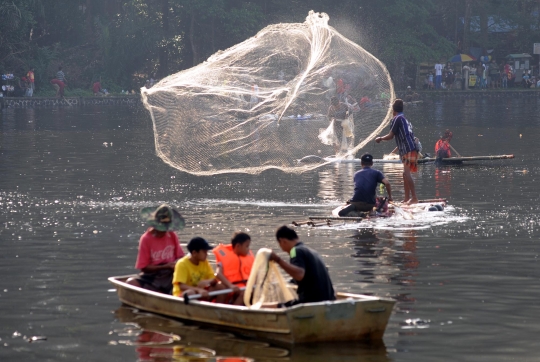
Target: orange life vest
(442,149)
(236,268)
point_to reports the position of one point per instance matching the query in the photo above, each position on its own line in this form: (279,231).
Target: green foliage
(127,41)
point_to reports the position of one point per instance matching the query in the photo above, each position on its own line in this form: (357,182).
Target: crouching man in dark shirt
(306,268)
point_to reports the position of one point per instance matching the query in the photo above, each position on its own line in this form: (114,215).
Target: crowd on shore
(490,75)
(24,86)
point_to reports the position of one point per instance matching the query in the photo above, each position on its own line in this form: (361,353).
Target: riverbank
(30,102)
(477,93)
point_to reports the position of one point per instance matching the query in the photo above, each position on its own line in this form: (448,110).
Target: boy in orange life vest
(236,261)
(194,275)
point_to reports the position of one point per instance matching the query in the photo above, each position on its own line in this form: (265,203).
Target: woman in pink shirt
(159,249)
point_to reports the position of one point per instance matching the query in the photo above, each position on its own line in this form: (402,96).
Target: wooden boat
(351,317)
(442,161)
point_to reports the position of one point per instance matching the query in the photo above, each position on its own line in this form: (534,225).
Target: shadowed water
(466,280)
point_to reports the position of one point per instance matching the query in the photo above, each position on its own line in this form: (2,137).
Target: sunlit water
(466,280)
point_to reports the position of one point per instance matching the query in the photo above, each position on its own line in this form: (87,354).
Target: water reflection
(156,338)
(443,184)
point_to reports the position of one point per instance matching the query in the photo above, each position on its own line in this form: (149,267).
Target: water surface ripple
(466,281)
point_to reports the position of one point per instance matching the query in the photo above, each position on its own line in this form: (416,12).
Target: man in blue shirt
(365,187)
(401,129)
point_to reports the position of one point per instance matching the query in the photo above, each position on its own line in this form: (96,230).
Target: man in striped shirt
(401,129)
(60,75)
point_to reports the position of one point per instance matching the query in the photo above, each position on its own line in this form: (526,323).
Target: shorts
(160,281)
(338,132)
(411,159)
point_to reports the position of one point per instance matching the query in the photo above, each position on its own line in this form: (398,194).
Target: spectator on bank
(430,81)
(511,78)
(485,79)
(59,87)
(458,80)
(19,88)
(60,75)
(465,80)
(494,74)
(449,79)
(96,87)
(30,79)
(526,80)
(438,75)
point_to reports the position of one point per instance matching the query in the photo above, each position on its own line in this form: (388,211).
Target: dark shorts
(358,206)
(160,281)
(338,131)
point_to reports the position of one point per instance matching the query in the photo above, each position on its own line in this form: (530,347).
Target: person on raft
(442,147)
(337,112)
(235,261)
(193,274)
(401,129)
(418,147)
(365,187)
(159,249)
(306,268)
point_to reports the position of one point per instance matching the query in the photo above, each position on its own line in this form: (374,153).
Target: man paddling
(442,147)
(365,187)
(306,268)
(401,129)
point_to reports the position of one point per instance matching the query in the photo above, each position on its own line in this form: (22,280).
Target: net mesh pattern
(263,103)
(265,285)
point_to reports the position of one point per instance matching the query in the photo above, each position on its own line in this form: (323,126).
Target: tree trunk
(194,49)
(89,22)
(467,26)
(484,26)
(163,70)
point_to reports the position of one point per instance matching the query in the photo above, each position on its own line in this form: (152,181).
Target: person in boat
(337,112)
(410,95)
(193,274)
(418,147)
(305,267)
(159,249)
(235,261)
(401,129)
(365,187)
(442,147)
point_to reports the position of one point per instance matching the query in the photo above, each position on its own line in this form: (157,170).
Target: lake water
(74,179)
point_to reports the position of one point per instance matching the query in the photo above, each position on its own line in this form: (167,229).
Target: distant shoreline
(29,102)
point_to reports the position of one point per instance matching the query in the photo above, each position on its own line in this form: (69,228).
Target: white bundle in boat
(266,284)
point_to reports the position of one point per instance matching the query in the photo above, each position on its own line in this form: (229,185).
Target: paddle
(187,297)
(453,149)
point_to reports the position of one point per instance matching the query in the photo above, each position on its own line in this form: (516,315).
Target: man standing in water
(337,112)
(401,128)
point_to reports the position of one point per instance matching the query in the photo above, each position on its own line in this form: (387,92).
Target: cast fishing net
(264,102)
(265,284)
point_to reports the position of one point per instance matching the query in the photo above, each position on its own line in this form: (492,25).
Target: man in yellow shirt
(194,275)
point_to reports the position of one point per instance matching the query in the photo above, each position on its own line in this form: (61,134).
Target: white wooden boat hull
(351,317)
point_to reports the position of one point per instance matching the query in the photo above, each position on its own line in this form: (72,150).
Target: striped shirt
(402,130)
(60,76)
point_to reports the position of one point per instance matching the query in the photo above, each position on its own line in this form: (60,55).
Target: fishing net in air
(265,284)
(264,103)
